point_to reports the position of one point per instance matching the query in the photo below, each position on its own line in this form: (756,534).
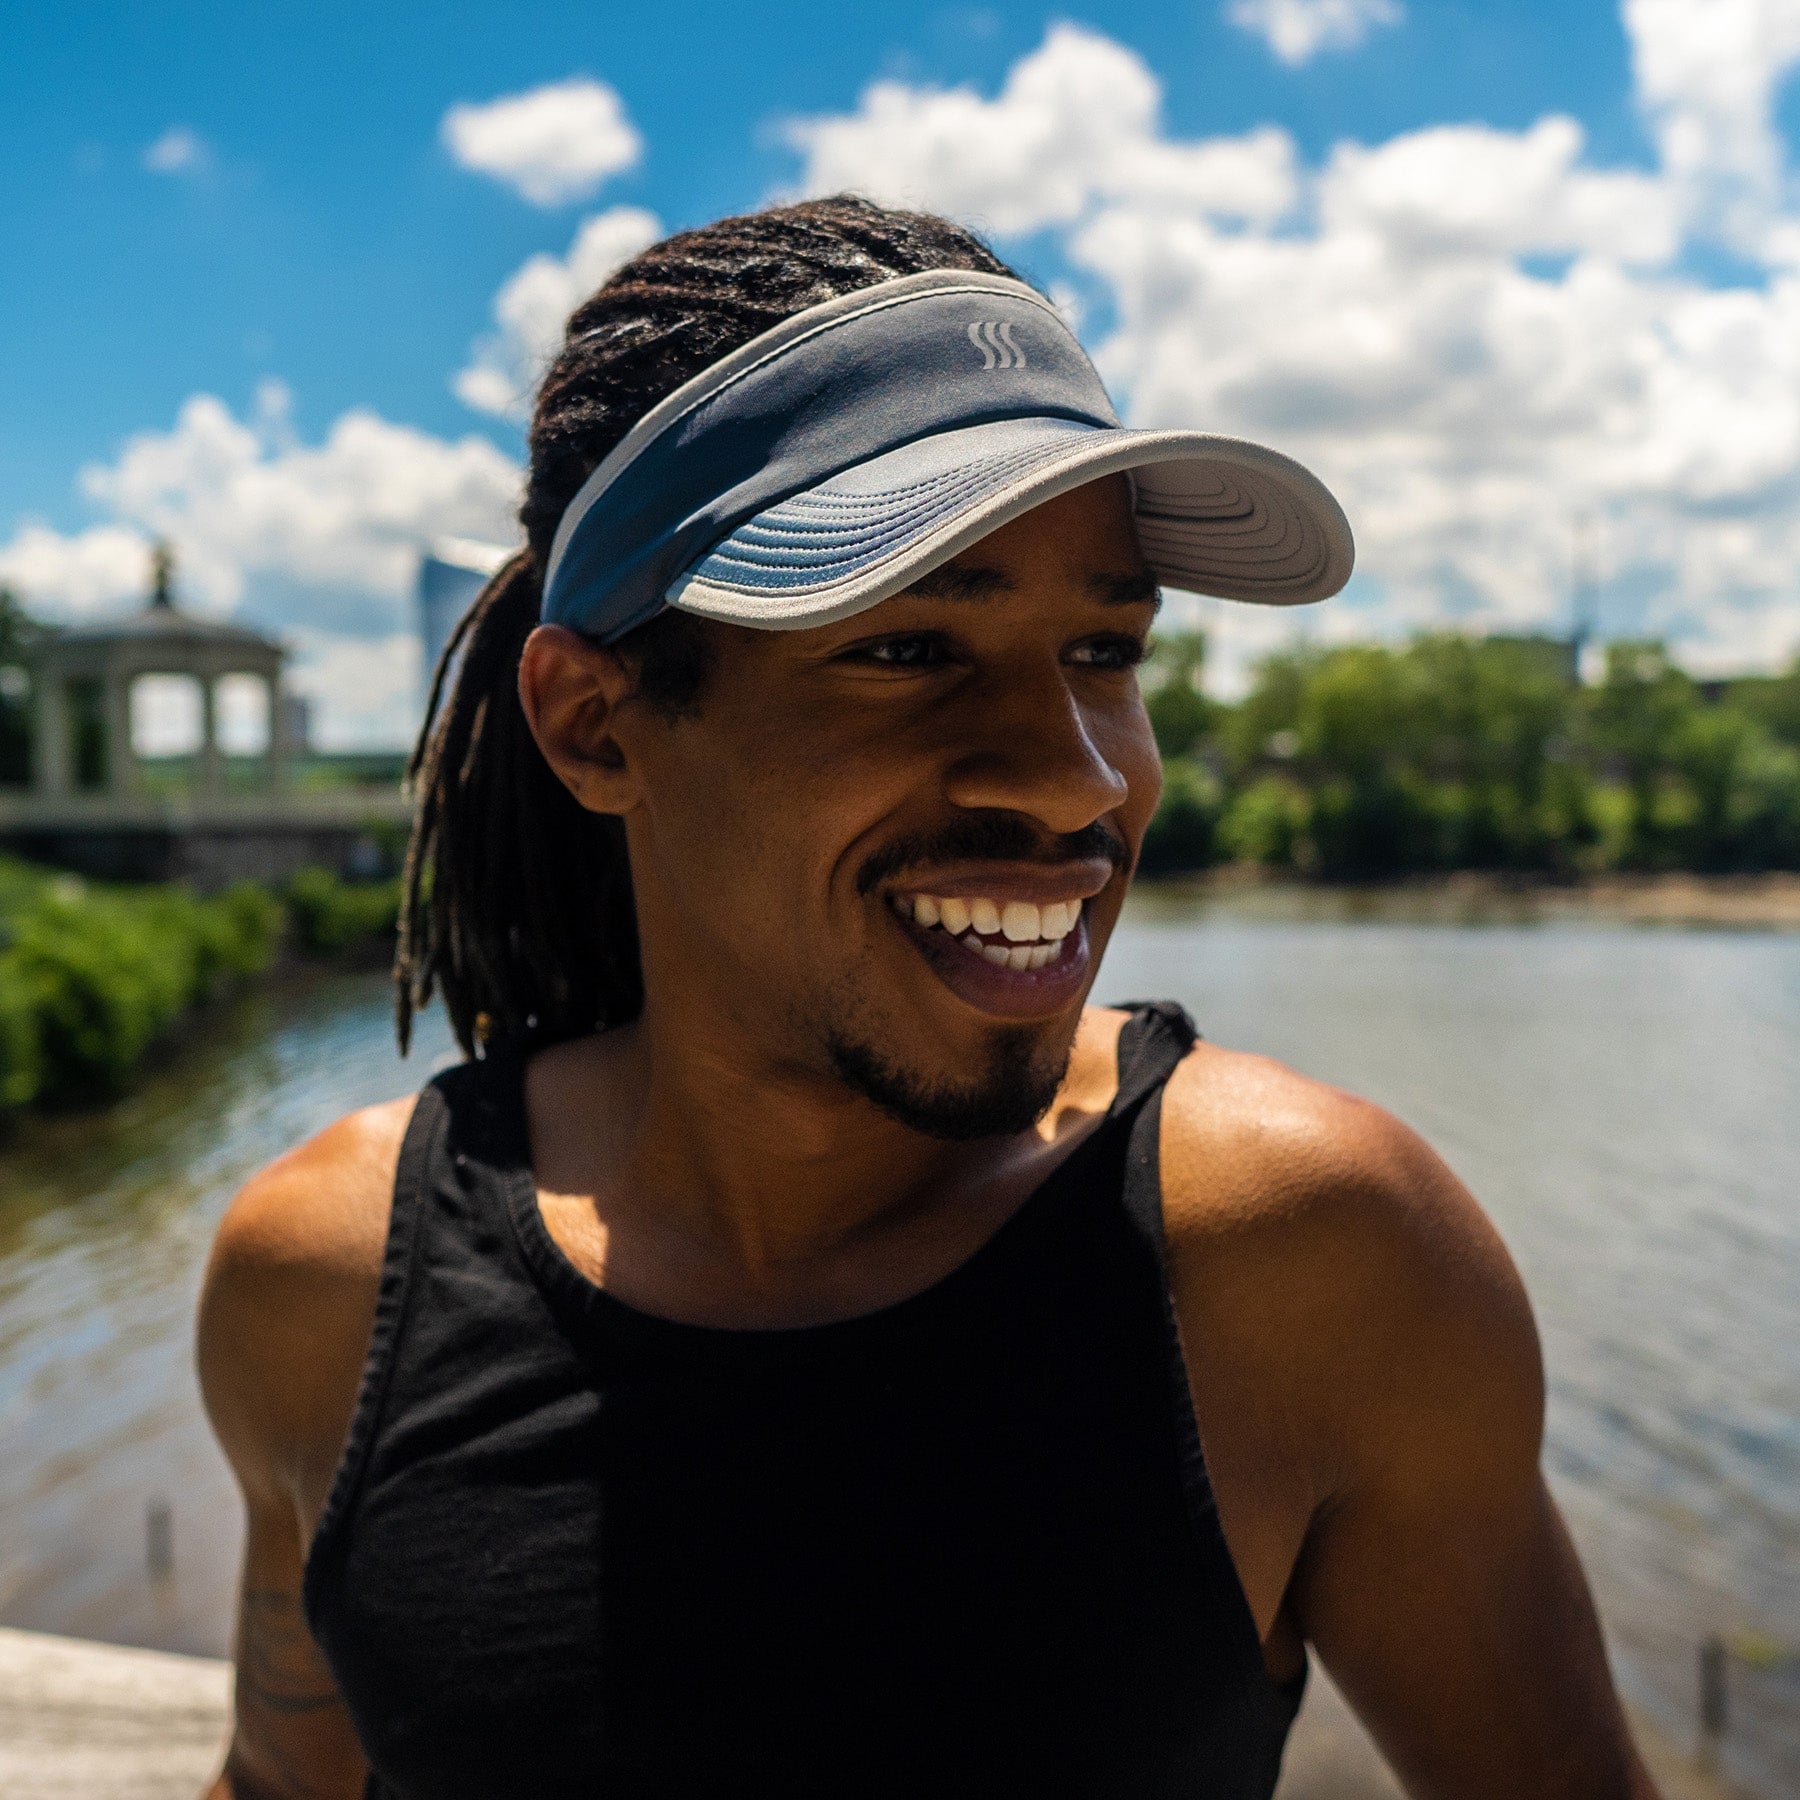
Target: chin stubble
(1010,1094)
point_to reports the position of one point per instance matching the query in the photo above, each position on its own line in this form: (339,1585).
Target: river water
(1625,1103)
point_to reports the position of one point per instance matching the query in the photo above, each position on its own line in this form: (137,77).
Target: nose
(1030,749)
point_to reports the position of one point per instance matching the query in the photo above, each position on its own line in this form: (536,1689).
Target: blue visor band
(834,459)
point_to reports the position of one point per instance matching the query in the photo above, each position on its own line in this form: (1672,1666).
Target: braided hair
(516,902)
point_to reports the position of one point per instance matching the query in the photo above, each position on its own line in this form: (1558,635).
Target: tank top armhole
(399,1255)
(1143,1205)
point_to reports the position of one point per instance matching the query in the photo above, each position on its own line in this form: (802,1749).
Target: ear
(572,691)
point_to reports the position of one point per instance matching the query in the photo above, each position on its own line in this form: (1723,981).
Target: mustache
(993,837)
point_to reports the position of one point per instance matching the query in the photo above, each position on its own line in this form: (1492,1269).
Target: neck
(699,1149)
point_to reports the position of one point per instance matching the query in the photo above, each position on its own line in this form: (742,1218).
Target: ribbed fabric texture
(964,1545)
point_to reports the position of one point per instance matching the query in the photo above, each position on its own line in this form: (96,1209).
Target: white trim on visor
(1215,516)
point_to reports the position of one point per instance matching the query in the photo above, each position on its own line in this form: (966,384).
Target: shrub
(21,1062)
(1264,823)
(330,914)
(1181,836)
(90,978)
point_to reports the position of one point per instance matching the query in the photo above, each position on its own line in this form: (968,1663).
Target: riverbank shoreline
(97,980)
(1674,901)
(88,1721)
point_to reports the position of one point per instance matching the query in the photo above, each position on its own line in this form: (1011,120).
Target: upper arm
(1380,1320)
(1437,1581)
(285,1314)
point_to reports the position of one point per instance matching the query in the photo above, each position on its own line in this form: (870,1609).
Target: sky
(1520,279)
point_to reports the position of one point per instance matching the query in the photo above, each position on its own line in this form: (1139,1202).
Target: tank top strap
(1152,1043)
(1151,1047)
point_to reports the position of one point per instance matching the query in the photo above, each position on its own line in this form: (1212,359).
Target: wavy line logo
(995,342)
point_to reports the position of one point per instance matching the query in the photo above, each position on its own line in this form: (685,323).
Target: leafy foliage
(330,915)
(1368,762)
(93,977)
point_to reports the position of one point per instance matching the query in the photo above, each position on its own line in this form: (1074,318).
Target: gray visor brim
(1214,516)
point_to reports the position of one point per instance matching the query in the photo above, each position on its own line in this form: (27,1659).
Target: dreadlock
(516,902)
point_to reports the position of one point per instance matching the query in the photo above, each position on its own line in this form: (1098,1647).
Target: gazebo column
(50,747)
(121,765)
(211,764)
(278,738)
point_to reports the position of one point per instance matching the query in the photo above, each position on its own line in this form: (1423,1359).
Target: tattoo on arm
(293,1739)
(278,1663)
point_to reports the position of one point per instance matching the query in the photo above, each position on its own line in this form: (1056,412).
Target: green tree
(1642,708)
(1180,714)
(1183,835)
(19,634)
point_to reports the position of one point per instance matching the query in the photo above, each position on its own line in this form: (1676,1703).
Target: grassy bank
(93,977)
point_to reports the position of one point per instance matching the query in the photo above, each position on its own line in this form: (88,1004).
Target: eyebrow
(1139,589)
(975,581)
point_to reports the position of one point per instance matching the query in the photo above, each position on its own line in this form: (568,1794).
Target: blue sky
(261,206)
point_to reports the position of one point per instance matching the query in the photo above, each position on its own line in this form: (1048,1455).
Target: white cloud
(1297,30)
(319,540)
(1076,121)
(553,144)
(1707,74)
(242,500)
(363,693)
(179,151)
(1476,335)
(74,576)
(1470,188)
(533,306)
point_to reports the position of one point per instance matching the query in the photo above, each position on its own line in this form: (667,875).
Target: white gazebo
(82,679)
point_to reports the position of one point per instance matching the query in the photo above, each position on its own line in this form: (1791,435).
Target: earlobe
(571,691)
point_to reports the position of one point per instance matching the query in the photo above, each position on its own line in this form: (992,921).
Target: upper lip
(1039,884)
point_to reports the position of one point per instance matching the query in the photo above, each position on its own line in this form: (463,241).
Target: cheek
(759,830)
(1129,744)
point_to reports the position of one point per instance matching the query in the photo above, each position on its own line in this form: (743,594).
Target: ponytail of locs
(516,902)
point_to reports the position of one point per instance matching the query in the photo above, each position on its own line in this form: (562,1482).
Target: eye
(912,650)
(1115,651)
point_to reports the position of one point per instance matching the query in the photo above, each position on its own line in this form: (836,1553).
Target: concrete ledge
(82,1721)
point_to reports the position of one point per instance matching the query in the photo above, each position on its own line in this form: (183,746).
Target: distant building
(451,573)
(296,722)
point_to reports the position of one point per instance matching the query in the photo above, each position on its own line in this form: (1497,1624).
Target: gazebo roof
(163,624)
(159,627)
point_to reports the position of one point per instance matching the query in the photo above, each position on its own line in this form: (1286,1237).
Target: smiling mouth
(1014,934)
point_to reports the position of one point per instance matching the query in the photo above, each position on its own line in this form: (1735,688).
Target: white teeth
(1043,955)
(998,954)
(1019,959)
(1020,922)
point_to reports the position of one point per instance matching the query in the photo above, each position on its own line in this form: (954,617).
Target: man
(808,1351)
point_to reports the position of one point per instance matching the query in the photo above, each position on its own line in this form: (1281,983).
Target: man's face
(893,848)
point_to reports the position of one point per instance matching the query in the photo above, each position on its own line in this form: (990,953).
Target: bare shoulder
(289,1296)
(1332,1256)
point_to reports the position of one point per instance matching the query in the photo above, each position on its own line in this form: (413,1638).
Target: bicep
(292,1737)
(1439,1584)
(1463,1634)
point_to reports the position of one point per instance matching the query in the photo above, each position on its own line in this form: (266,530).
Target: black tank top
(964,1545)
